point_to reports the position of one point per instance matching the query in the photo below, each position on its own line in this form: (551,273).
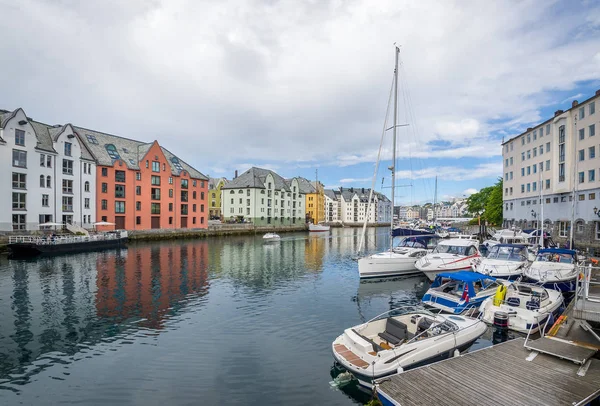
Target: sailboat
(400,260)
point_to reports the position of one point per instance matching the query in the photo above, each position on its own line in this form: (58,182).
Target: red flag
(465,295)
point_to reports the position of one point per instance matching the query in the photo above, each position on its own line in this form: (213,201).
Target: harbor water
(231,320)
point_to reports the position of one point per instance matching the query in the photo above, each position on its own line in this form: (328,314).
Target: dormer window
(112,151)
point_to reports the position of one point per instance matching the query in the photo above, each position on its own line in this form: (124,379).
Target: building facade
(333,207)
(263,197)
(214,197)
(52,174)
(351,206)
(555,163)
(315,200)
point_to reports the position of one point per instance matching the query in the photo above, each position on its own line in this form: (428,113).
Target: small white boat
(505,261)
(507,236)
(389,345)
(554,268)
(524,307)
(271,237)
(398,261)
(449,256)
(318,228)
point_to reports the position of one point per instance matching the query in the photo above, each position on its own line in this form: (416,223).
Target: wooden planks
(561,349)
(492,376)
(349,356)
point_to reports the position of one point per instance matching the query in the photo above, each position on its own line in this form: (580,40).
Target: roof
(305,186)
(330,194)
(464,276)
(557,251)
(255,178)
(213,182)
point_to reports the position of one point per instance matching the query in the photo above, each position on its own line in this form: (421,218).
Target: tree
(488,203)
(476,202)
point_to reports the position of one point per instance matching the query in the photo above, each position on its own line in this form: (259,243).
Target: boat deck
(350,356)
(497,375)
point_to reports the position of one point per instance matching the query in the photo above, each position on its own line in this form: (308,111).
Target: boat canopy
(508,252)
(403,232)
(464,276)
(557,251)
(464,281)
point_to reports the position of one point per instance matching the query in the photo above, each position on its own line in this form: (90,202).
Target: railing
(588,288)
(62,239)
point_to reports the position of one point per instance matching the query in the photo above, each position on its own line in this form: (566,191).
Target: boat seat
(424,324)
(532,304)
(513,301)
(376,347)
(395,331)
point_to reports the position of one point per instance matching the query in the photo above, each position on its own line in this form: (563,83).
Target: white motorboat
(271,237)
(554,268)
(398,261)
(389,345)
(522,306)
(505,261)
(318,228)
(507,236)
(449,256)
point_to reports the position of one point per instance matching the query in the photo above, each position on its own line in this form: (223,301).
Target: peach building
(142,186)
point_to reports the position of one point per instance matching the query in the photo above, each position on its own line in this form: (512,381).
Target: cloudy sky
(299,85)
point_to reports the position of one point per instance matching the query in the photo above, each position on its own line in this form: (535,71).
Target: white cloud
(454,173)
(354,180)
(222,83)
(470,191)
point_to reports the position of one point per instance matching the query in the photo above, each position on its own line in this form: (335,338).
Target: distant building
(333,206)
(263,197)
(351,206)
(214,197)
(315,200)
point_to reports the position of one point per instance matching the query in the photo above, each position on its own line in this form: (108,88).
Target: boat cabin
(465,247)
(557,255)
(509,252)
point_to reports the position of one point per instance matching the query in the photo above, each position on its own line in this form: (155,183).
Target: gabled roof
(330,193)
(255,178)
(305,186)
(174,162)
(213,182)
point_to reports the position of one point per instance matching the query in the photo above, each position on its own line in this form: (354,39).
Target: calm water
(219,321)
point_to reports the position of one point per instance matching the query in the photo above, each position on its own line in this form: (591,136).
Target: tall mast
(573,194)
(434,201)
(393,167)
(541,219)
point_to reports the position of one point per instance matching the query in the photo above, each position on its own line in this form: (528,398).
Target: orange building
(140,186)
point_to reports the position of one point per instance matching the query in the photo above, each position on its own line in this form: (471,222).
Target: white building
(551,161)
(50,170)
(350,206)
(263,197)
(333,206)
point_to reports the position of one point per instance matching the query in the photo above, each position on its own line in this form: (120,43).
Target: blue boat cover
(465,276)
(557,251)
(404,232)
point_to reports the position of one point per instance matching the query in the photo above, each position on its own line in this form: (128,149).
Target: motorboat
(522,306)
(507,236)
(320,227)
(387,345)
(450,255)
(554,268)
(271,237)
(399,260)
(457,292)
(506,261)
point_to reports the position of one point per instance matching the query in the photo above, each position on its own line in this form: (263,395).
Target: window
(138,220)
(155,166)
(535,152)
(194,195)
(138,176)
(184,209)
(529,170)
(506,162)
(18,201)
(528,154)
(92,139)
(541,132)
(581,134)
(104,172)
(547,129)
(19,158)
(592,152)
(184,196)
(534,168)
(155,193)
(170,180)
(579,224)
(581,113)
(592,196)
(138,206)
(45,200)
(597,229)
(529,187)
(105,188)
(542,149)
(86,186)
(67,186)
(67,167)
(523,141)
(67,203)
(184,184)
(592,108)
(534,186)
(20,137)
(86,203)
(112,151)
(147,163)
(548,184)
(119,207)
(528,138)
(581,197)
(522,171)
(581,154)
(581,176)
(18,180)
(104,204)
(119,190)
(119,176)
(563,228)
(42,159)
(18,221)
(48,181)
(202,208)
(548,165)
(591,175)
(138,190)
(155,180)
(155,208)
(592,130)
(194,208)
(170,206)
(42,181)
(68,147)
(170,192)
(164,167)
(534,135)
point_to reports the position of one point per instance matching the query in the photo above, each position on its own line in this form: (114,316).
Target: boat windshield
(555,257)
(455,249)
(418,242)
(508,253)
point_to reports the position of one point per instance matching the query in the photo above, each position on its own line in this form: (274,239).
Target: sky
(300,86)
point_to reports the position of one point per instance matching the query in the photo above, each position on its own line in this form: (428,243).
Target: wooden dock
(504,374)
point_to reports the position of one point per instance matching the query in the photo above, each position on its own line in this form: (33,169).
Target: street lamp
(596,211)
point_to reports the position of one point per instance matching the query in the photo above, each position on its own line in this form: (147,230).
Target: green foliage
(488,203)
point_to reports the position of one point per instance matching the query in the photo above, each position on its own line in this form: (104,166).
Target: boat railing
(588,285)
(56,240)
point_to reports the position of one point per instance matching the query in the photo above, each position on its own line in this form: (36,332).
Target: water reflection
(64,304)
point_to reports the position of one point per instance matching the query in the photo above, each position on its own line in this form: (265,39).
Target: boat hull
(26,250)
(378,267)
(318,228)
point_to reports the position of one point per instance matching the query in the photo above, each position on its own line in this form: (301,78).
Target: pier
(506,373)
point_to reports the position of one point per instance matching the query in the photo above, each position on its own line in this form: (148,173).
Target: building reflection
(66,303)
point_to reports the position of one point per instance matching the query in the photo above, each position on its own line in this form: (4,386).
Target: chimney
(598,92)
(341,189)
(529,128)
(363,191)
(575,103)
(236,173)
(351,190)
(558,113)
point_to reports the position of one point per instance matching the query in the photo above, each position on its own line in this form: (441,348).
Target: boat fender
(500,295)
(400,370)
(456,353)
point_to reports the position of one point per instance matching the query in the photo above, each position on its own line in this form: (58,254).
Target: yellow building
(214,197)
(315,200)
